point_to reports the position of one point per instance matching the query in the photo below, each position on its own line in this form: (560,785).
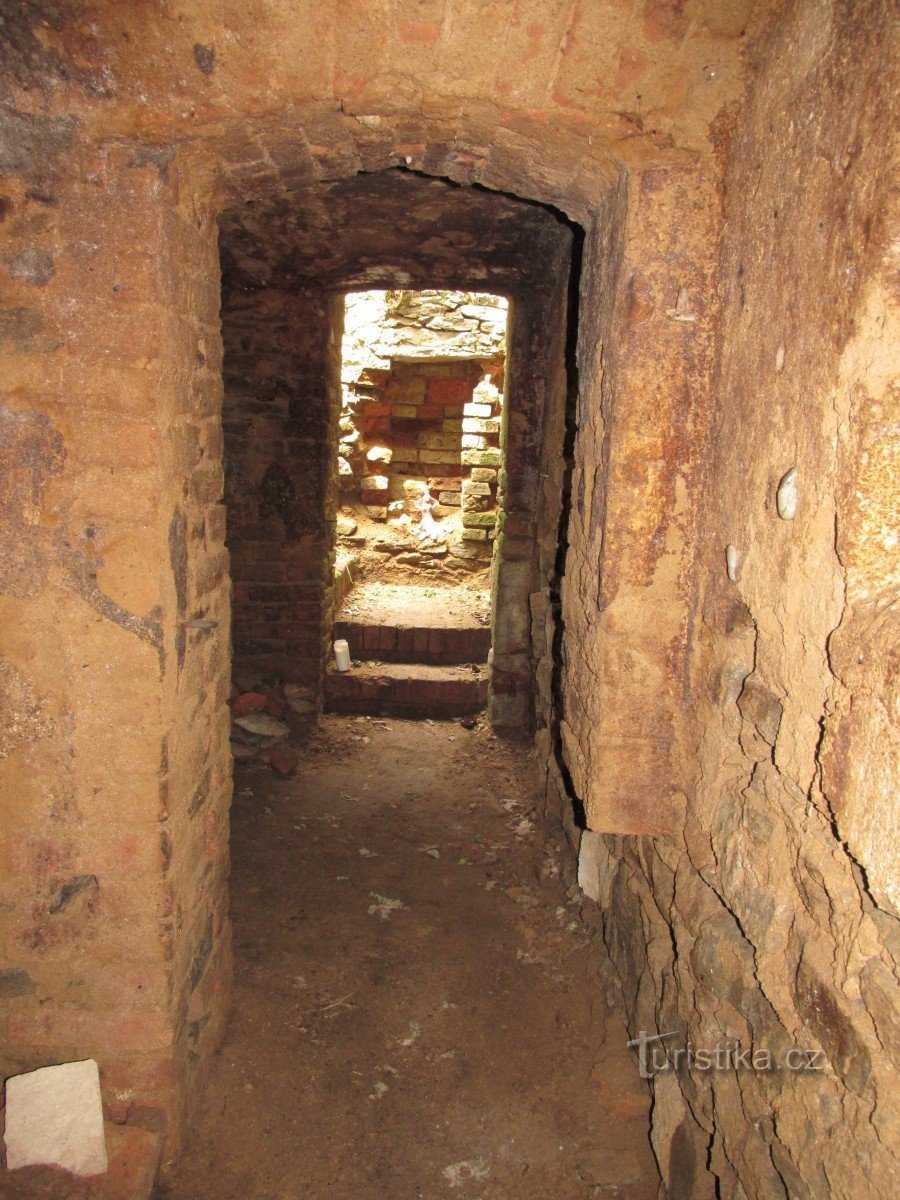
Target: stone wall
(381,325)
(435,425)
(282,393)
(771,918)
(412,362)
(410,422)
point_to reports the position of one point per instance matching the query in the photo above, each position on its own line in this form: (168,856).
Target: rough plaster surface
(771,917)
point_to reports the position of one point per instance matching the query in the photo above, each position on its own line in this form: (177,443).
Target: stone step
(133,1156)
(436,644)
(406,690)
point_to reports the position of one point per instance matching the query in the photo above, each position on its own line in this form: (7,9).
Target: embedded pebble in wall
(732,562)
(786,496)
(681,311)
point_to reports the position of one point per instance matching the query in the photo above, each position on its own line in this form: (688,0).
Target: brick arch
(304,145)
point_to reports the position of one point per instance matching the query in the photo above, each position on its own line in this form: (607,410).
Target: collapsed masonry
(420,430)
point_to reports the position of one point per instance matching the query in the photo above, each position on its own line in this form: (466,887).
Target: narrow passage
(419,1009)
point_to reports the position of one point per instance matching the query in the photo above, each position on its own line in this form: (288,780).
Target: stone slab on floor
(406,690)
(54,1117)
(133,1163)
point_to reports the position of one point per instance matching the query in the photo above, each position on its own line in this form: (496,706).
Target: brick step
(406,690)
(434,644)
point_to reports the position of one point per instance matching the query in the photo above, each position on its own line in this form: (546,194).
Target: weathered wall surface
(645,361)
(282,393)
(773,919)
(115,774)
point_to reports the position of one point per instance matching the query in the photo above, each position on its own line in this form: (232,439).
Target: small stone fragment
(33,266)
(284,760)
(249,702)
(262,725)
(243,737)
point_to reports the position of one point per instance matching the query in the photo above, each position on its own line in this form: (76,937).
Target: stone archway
(284,257)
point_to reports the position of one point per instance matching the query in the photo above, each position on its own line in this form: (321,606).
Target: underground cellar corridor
(413,547)
(670,920)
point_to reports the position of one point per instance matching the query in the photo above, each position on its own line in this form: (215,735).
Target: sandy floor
(417,1007)
(412,606)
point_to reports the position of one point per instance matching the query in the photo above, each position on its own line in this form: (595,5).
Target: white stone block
(54,1117)
(375,483)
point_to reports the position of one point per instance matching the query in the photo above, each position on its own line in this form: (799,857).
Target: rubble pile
(258,734)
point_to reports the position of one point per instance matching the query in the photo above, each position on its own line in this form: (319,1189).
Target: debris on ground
(284,760)
(258,732)
(362,946)
(384,906)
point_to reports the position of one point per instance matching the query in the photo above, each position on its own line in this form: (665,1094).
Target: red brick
(449,391)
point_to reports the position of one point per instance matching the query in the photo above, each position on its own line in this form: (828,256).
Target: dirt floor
(418,1010)
(410,605)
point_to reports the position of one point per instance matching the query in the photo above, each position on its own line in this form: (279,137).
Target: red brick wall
(280,418)
(418,415)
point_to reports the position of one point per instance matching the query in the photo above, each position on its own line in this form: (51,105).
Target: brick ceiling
(391,228)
